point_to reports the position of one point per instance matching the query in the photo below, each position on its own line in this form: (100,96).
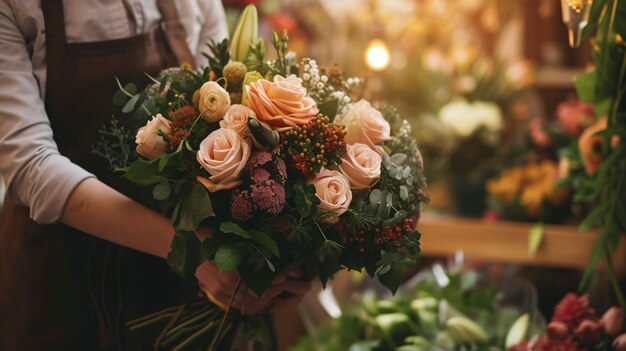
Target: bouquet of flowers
(576,326)
(281,162)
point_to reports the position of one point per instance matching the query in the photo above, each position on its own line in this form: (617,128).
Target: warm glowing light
(377,55)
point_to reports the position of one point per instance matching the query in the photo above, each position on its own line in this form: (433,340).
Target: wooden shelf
(562,246)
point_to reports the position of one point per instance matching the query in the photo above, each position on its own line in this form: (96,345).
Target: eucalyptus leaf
(130,105)
(535,237)
(398,159)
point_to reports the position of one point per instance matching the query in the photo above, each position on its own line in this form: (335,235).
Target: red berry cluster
(181,120)
(314,145)
(380,237)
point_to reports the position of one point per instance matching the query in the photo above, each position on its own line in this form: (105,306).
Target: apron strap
(56,50)
(175,32)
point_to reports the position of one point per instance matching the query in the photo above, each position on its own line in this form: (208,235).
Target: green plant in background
(460,315)
(604,87)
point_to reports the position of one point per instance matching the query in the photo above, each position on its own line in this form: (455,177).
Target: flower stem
(200,333)
(611,273)
(223,322)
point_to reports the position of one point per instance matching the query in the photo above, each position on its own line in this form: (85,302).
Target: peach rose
(333,189)
(361,166)
(281,103)
(237,119)
(364,124)
(149,143)
(223,154)
(213,102)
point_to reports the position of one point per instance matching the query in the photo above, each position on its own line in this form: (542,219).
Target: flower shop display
(442,311)
(576,326)
(279,157)
(529,193)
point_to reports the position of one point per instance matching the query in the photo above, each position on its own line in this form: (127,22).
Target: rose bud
(588,332)
(619,344)
(612,321)
(333,190)
(557,330)
(361,166)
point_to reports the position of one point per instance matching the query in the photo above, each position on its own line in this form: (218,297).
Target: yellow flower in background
(507,187)
(533,185)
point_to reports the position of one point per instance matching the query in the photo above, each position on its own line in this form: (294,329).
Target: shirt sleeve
(35,173)
(214,27)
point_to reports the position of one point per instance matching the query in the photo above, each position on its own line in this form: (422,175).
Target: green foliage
(218,56)
(195,207)
(115,144)
(606,86)
(184,255)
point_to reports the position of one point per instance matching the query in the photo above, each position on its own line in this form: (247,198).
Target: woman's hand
(222,284)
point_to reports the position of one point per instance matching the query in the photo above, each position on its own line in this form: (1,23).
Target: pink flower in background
(572,310)
(556,345)
(574,116)
(537,134)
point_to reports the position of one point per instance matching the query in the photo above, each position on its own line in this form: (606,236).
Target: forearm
(97,209)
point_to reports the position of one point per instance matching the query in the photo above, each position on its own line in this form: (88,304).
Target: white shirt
(36,175)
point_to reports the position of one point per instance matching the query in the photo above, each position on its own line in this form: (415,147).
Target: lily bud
(246,34)
(620,343)
(588,332)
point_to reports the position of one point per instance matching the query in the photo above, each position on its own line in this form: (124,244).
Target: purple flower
(269,197)
(240,206)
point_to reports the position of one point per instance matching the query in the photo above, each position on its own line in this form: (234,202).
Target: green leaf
(596,253)
(586,86)
(234,228)
(266,241)
(593,218)
(394,277)
(229,255)
(161,191)
(165,159)
(195,208)
(119,98)
(130,88)
(257,280)
(184,255)
(143,172)
(329,108)
(130,105)
(535,237)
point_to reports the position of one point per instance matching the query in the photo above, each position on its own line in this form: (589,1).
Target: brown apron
(61,289)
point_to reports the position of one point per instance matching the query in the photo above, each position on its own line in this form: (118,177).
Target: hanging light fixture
(377,55)
(575,16)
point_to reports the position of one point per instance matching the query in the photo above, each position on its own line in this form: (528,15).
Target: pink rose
(364,124)
(361,166)
(333,189)
(223,154)
(575,116)
(149,143)
(237,119)
(282,103)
